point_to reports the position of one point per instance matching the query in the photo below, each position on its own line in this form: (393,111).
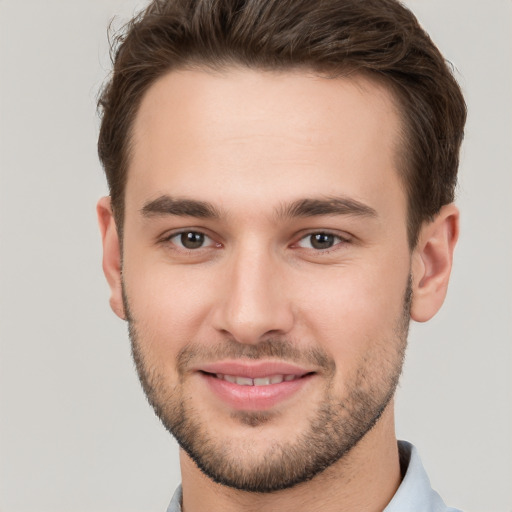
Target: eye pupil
(192,240)
(322,241)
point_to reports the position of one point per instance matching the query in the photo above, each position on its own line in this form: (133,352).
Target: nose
(254,299)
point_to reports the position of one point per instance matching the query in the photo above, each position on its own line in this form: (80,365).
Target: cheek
(168,305)
(356,309)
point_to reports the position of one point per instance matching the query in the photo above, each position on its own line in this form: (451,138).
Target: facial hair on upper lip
(277,349)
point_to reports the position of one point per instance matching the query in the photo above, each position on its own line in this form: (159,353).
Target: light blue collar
(415,492)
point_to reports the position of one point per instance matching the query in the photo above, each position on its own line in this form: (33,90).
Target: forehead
(245,135)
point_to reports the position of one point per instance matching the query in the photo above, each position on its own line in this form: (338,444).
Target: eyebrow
(166,205)
(310,207)
(327,206)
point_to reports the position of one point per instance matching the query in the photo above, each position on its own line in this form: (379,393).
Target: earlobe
(111,255)
(432,263)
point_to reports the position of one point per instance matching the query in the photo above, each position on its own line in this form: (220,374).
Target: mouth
(257,381)
(250,386)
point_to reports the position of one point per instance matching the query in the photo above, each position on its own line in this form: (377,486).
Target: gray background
(75,431)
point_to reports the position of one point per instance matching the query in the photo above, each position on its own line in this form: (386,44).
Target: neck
(366,479)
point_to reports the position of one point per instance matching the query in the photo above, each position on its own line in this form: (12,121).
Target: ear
(432,263)
(111,255)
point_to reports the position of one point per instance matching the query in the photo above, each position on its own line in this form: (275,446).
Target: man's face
(266,267)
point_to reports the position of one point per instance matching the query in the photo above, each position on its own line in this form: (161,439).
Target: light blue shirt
(414,494)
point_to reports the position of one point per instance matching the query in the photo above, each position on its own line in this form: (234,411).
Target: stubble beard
(337,425)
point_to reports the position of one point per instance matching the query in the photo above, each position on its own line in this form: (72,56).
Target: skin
(251,143)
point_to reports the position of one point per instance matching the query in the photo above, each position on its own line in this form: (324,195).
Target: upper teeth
(261,381)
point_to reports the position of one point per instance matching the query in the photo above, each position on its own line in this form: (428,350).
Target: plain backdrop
(76,433)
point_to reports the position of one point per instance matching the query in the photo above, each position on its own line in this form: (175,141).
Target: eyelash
(169,240)
(338,241)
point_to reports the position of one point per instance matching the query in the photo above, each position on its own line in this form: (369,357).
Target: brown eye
(322,240)
(192,239)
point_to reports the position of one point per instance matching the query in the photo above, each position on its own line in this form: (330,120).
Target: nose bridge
(255,304)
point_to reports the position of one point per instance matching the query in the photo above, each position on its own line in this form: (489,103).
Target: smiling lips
(261,381)
(254,386)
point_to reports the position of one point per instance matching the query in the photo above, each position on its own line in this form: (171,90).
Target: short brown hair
(377,37)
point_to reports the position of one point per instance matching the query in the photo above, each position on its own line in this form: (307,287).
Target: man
(281,182)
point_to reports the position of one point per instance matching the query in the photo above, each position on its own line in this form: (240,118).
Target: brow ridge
(167,205)
(307,207)
(328,206)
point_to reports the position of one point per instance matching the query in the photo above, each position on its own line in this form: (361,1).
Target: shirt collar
(415,492)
